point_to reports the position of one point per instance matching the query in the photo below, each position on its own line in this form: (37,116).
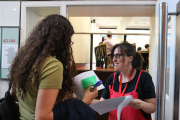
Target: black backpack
(9,109)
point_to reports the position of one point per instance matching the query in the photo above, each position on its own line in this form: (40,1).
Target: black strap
(5,108)
(9,87)
(3,112)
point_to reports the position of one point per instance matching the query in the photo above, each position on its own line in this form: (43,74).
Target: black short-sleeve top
(145,87)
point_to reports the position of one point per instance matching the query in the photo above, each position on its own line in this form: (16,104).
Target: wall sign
(10,43)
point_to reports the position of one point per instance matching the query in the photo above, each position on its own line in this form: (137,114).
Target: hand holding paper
(111,104)
(84,80)
(135,104)
(89,96)
(96,85)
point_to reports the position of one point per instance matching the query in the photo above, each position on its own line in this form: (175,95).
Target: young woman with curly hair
(42,71)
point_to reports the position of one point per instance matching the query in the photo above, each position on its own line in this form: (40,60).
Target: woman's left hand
(135,104)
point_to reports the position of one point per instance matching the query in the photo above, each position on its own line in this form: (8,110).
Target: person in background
(42,73)
(109,42)
(130,80)
(146,47)
(139,49)
(103,38)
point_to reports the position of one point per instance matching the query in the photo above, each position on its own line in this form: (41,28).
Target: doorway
(108,18)
(89,10)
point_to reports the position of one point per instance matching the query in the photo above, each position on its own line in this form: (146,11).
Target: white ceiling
(114,22)
(111,11)
(113,16)
(45,11)
(106,16)
(104,22)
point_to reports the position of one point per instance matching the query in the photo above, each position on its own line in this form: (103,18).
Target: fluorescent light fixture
(101,22)
(132,22)
(143,22)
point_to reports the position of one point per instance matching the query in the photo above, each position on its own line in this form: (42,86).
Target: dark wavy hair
(50,37)
(127,48)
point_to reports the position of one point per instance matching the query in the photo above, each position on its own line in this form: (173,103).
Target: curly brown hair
(50,37)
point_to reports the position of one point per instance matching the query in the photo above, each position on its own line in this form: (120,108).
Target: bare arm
(96,100)
(148,106)
(45,102)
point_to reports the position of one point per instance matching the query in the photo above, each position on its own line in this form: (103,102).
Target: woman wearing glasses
(130,80)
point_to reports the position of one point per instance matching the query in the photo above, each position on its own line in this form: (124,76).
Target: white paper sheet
(77,80)
(111,104)
(126,101)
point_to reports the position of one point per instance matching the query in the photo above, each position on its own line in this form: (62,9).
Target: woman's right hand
(89,96)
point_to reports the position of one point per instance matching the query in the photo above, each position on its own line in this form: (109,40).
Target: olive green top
(50,77)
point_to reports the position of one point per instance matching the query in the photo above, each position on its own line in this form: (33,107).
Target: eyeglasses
(119,55)
(71,43)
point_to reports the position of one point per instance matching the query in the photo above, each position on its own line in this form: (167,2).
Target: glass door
(168,93)
(177,68)
(168,97)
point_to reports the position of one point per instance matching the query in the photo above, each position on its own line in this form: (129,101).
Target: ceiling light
(131,22)
(14,9)
(101,22)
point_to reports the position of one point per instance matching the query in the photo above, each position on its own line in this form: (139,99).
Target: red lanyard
(120,83)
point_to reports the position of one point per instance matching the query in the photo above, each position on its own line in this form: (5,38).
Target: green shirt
(50,77)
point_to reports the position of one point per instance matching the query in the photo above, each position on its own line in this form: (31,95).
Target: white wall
(1,10)
(9,16)
(81,46)
(31,20)
(122,27)
(152,57)
(119,37)
(10,13)
(96,39)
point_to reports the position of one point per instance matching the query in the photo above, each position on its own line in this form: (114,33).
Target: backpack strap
(9,87)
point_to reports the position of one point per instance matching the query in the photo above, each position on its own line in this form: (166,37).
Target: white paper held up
(112,104)
(126,101)
(77,80)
